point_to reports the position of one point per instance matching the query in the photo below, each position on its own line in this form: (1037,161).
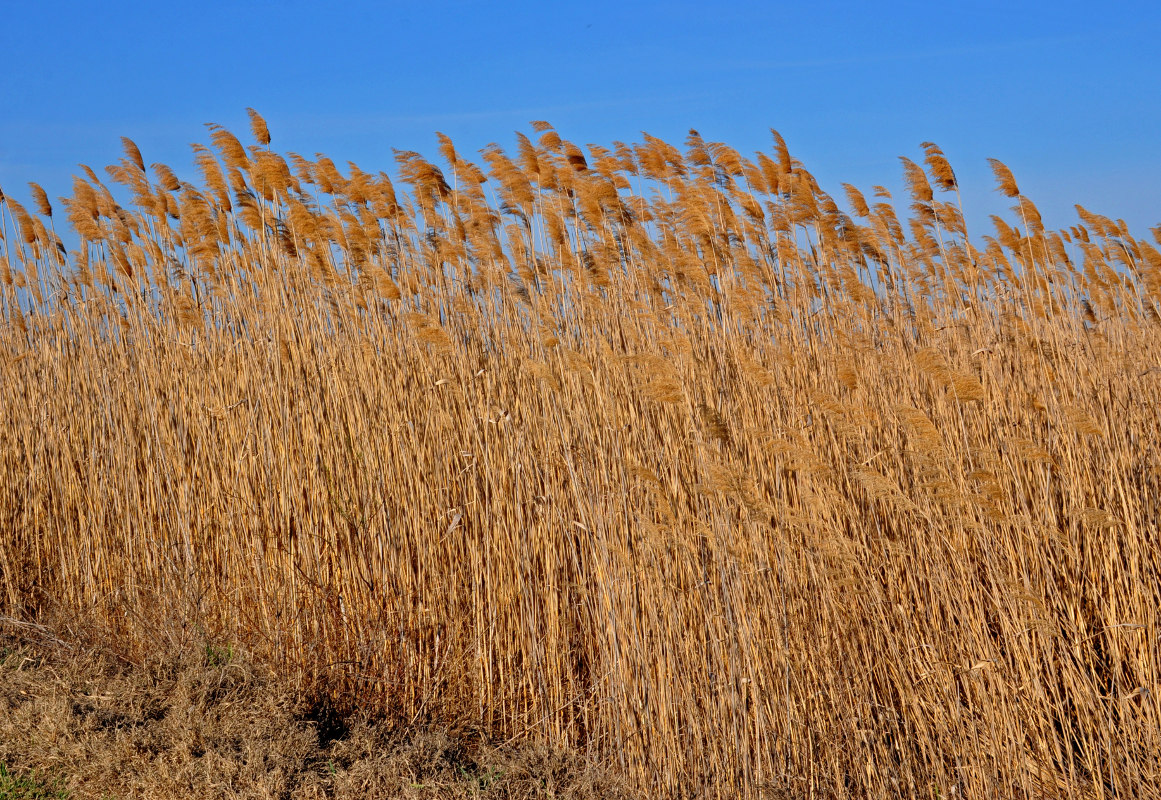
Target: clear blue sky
(1067,94)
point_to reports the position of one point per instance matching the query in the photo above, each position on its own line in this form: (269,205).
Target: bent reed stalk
(649,452)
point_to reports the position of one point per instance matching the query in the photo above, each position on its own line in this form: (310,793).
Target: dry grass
(84,724)
(650,455)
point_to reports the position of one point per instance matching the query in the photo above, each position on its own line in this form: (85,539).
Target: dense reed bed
(653,453)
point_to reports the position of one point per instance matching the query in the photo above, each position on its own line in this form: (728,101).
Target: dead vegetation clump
(213,723)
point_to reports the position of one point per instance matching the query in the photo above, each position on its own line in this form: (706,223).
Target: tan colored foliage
(652,455)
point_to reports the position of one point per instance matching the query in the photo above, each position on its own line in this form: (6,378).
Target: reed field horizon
(655,454)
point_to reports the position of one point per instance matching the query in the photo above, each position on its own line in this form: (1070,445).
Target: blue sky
(1067,95)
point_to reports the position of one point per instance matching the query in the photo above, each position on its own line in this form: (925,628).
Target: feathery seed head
(1006,182)
(258,128)
(41,199)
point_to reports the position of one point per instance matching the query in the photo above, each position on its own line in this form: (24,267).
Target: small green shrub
(219,656)
(30,787)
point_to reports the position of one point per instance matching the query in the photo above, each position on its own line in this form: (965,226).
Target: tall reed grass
(655,453)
